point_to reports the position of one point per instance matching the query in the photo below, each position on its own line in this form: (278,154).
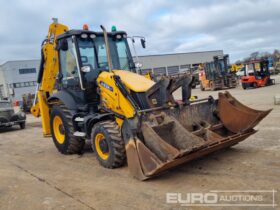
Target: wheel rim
(101,146)
(59,130)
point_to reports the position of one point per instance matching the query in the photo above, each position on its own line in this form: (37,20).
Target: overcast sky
(238,27)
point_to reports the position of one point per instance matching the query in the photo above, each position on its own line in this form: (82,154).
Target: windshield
(120,50)
(5,104)
(93,53)
(222,65)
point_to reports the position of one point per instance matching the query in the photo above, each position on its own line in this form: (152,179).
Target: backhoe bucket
(163,139)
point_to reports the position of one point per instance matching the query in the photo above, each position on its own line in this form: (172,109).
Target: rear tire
(201,87)
(62,131)
(107,142)
(244,86)
(22,125)
(212,86)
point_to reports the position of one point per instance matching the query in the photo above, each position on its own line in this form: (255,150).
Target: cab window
(68,66)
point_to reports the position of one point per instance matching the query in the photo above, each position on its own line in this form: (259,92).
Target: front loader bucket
(163,139)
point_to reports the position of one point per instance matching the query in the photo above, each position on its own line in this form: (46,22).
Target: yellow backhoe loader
(88,89)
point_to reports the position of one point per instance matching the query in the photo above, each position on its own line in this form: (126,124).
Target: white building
(18,78)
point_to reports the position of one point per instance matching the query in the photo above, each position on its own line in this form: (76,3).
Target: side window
(87,53)
(122,54)
(88,58)
(101,53)
(68,65)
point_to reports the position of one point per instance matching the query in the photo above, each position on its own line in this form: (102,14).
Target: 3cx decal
(106,86)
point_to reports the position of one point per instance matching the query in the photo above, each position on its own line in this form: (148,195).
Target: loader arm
(48,71)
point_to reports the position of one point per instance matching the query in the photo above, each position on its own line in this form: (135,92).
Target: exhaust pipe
(107,48)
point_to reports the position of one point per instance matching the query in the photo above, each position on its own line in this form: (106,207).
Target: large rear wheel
(108,144)
(62,131)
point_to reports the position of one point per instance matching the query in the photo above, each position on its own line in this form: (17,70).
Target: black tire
(71,143)
(255,85)
(212,86)
(22,125)
(201,87)
(244,86)
(194,85)
(115,147)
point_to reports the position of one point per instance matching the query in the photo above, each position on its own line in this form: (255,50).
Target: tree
(276,55)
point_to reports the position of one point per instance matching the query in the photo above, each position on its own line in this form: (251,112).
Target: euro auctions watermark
(238,198)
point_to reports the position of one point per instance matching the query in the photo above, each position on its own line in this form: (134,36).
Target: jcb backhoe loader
(87,89)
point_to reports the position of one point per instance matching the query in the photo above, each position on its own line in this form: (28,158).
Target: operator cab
(82,55)
(221,64)
(257,68)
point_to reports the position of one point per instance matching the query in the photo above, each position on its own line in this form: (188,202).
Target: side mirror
(143,43)
(63,45)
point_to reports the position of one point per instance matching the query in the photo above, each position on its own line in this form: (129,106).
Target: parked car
(241,72)
(8,117)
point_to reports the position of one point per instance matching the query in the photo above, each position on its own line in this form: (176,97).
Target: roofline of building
(19,61)
(166,54)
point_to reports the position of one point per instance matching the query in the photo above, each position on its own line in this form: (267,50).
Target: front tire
(108,144)
(62,131)
(22,125)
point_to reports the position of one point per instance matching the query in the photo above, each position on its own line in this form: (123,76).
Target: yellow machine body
(51,69)
(137,118)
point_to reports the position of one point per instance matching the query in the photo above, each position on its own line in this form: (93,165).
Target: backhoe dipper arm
(48,71)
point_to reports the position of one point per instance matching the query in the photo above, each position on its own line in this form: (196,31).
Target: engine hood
(133,81)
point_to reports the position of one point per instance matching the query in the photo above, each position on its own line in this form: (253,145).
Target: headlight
(84,36)
(22,114)
(93,36)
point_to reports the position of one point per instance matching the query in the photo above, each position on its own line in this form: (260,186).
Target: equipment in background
(8,117)
(88,89)
(216,75)
(256,74)
(236,67)
(276,67)
(27,102)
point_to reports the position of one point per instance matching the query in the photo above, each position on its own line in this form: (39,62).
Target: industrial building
(19,77)
(177,62)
